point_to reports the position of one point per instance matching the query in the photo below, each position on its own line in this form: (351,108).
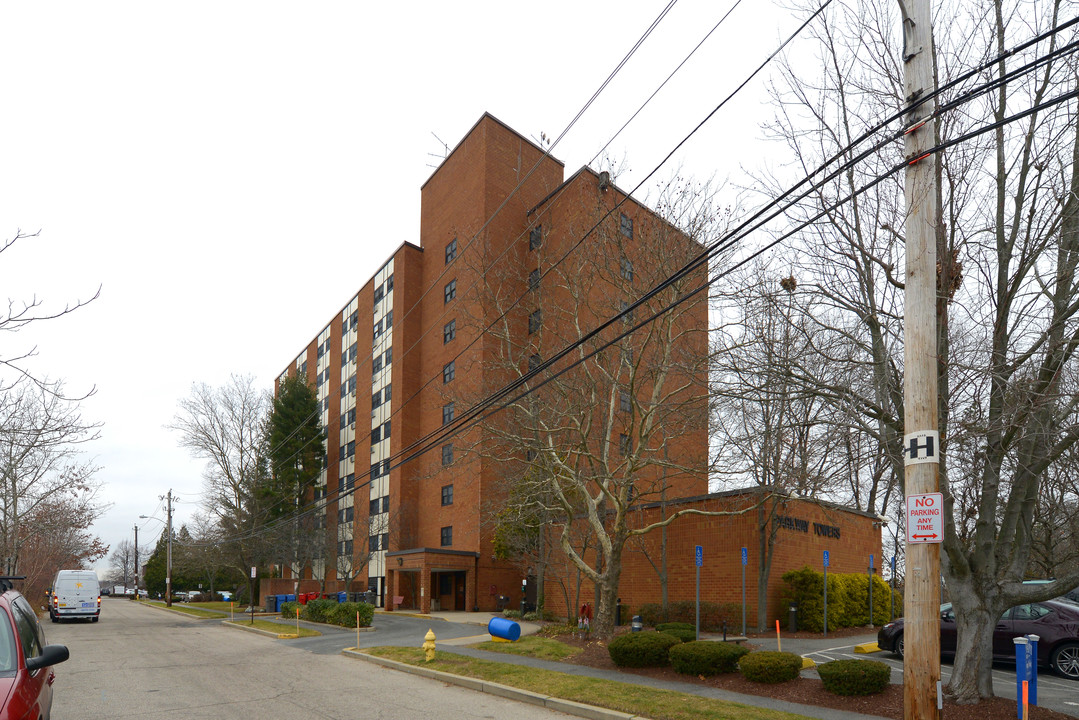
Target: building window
(386,393)
(344,547)
(623,444)
(624,401)
(623,309)
(376,435)
(352,448)
(354,320)
(535,237)
(389,284)
(534,279)
(451,290)
(350,481)
(530,455)
(386,430)
(386,501)
(387,357)
(534,362)
(352,352)
(376,399)
(447,495)
(389,319)
(447,372)
(373,543)
(451,251)
(447,454)
(447,536)
(373,507)
(449,331)
(535,320)
(379,293)
(447,413)
(626,225)
(376,364)
(627,269)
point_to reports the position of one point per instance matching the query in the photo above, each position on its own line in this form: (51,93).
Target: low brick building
(799,531)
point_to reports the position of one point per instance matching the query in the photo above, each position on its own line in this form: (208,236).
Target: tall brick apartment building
(511,262)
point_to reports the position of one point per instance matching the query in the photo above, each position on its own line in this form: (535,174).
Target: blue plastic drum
(505,629)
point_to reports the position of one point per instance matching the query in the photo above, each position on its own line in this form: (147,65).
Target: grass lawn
(186,609)
(532,646)
(220,606)
(276,628)
(624,697)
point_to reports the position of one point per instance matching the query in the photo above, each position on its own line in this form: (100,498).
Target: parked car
(1055,622)
(75,594)
(26,674)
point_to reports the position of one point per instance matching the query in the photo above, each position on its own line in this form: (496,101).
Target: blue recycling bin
(504,628)
(289,598)
(342,597)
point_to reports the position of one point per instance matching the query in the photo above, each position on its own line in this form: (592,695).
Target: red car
(26,674)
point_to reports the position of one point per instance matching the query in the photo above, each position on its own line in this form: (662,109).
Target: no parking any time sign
(925,518)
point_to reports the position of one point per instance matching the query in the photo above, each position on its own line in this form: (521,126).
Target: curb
(255,630)
(187,615)
(566,706)
(867,648)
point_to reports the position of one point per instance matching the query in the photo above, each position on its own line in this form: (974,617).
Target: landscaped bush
(641,649)
(854,677)
(664,627)
(703,657)
(344,614)
(769,666)
(318,610)
(512,614)
(848,599)
(713,615)
(683,634)
(288,609)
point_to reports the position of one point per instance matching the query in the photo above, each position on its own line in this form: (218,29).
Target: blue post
(1022,668)
(1032,685)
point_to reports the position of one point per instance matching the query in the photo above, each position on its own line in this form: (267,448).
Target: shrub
(288,609)
(532,616)
(641,649)
(769,666)
(854,677)
(664,627)
(848,599)
(512,614)
(344,614)
(318,610)
(713,615)
(703,657)
(683,634)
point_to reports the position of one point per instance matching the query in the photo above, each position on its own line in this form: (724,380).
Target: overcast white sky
(230,173)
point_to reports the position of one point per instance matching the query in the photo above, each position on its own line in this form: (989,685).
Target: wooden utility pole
(168,556)
(921,447)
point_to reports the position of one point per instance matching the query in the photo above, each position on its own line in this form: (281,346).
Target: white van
(75,594)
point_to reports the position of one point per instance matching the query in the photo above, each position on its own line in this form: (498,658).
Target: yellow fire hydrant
(429,645)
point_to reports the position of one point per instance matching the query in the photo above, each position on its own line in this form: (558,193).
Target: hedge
(704,657)
(854,677)
(641,649)
(848,599)
(769,666)
(330,612)
(713,614)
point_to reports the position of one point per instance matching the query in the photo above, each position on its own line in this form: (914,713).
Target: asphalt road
(138,662)
(1054,692)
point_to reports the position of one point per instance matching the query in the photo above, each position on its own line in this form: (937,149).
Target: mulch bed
(888,704)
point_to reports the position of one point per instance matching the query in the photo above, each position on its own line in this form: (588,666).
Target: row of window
(344,548)
(380,433)
(535,235)
(383,290)
(381,360)
(344,515)
(380,505)
(346,451)
(323,348)
(347,482)
(384,324)
(379,469)
(379,542)
(380,396)
(348,387)
(348,418)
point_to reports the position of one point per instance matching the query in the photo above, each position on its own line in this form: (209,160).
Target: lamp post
(168,555)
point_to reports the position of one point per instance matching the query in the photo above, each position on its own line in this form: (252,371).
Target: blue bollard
(1022,672)
(504,628)
(1032,684)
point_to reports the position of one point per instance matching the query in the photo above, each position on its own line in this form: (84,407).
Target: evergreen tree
(297,445)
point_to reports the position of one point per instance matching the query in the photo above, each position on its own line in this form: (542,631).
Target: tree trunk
(603,626)
(972,677)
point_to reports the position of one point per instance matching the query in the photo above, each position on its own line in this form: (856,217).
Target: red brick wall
(722,538)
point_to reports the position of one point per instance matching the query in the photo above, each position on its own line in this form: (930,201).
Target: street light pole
(168,561)
(136,561)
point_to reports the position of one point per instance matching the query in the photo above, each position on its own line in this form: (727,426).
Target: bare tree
(40,438)
(771,430)
(628,422)
(21,314)
(122,563)
(226,427)
(1008,248)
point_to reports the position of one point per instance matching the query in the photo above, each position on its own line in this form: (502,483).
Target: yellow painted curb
(867,648)
(287,636)
(807,663)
